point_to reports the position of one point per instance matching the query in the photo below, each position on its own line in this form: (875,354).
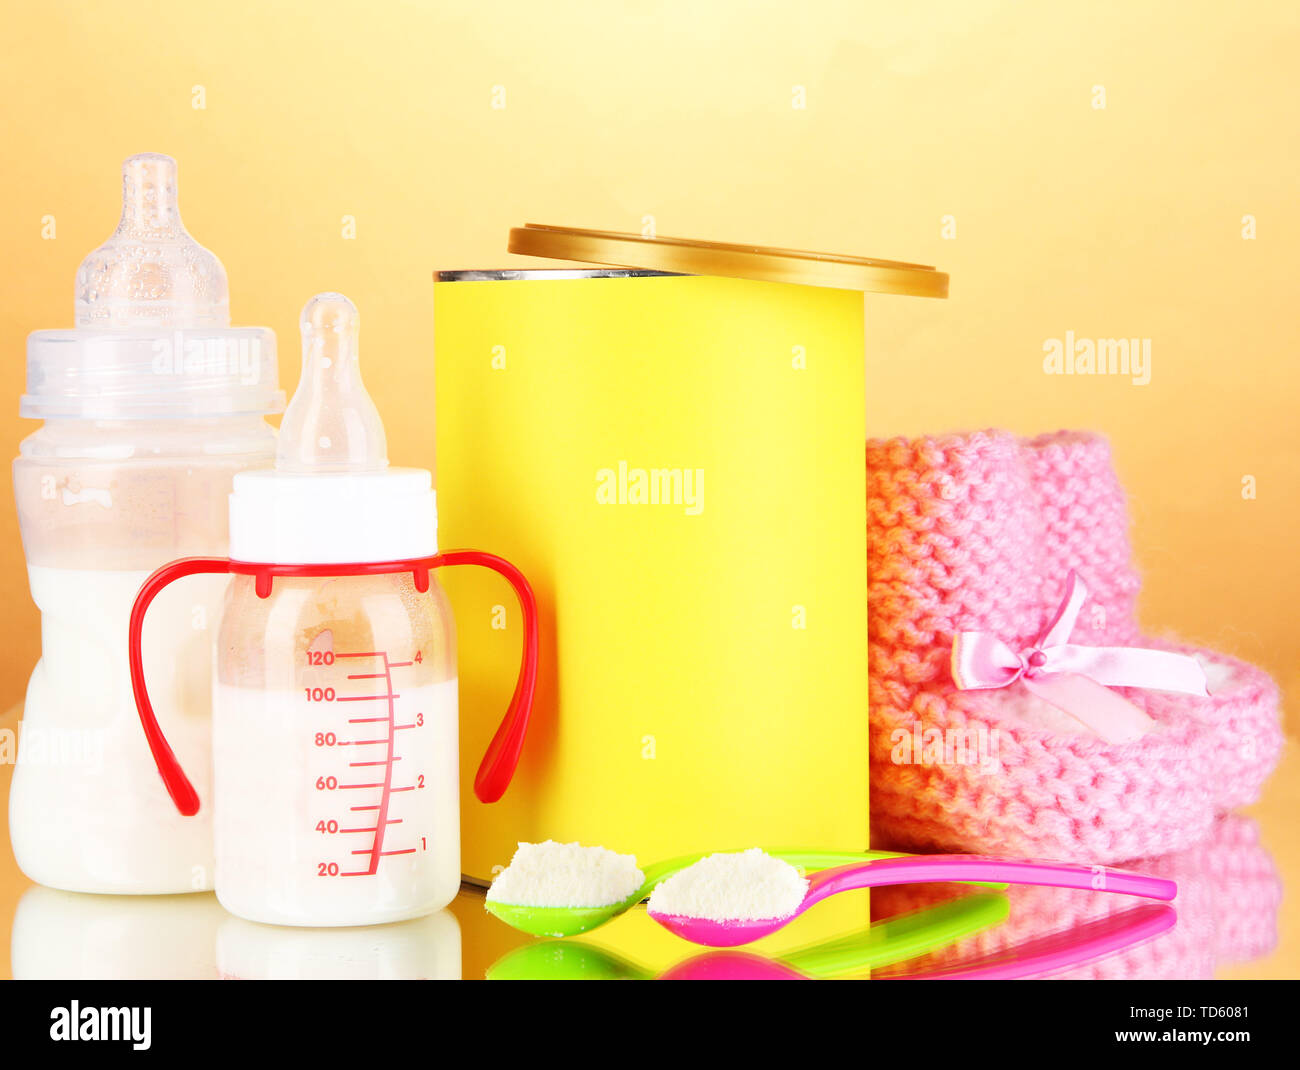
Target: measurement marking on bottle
(374,828)
(380,811)
(376,851)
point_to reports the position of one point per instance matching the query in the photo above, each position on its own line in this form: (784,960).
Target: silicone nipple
(151,272)
(331,425)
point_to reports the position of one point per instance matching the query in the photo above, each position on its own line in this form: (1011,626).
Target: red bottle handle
(178,784)
(502,756)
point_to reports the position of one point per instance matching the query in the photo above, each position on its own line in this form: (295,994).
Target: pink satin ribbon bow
(1077,679)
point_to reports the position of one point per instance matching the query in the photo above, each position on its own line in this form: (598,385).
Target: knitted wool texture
(980,531)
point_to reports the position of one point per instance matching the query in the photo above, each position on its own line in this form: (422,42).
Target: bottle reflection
(425,948)
(69,935)
(72,936)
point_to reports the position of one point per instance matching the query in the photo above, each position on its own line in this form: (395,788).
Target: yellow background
(1124,221)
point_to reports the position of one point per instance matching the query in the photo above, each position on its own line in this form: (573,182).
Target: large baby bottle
(151,404)
(335,766)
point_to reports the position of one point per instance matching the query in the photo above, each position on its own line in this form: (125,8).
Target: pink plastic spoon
(914,870)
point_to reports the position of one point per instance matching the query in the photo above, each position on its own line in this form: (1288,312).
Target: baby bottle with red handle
(335,735)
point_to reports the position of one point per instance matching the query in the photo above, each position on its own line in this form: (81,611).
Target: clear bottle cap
(153,338)
(331,424)
(331,497)
(150,271)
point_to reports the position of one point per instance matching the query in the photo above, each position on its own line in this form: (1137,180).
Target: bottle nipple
(331,425)
(151,272)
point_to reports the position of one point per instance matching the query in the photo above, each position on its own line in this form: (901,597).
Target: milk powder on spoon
(742,886)
(554,874)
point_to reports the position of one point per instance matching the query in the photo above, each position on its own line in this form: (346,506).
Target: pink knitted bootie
(1086,525)
(957,542)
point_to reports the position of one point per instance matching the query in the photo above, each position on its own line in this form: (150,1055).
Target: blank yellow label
(676,464)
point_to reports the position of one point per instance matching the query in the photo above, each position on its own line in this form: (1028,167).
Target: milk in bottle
(151,404)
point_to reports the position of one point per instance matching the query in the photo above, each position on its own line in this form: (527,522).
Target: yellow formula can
(671,450)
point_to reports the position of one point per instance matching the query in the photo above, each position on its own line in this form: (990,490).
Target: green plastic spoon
(570,921)
(884,943)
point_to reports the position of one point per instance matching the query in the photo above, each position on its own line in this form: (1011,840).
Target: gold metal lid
(689,257)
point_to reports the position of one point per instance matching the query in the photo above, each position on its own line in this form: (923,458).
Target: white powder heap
(554,874)
(747,886)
